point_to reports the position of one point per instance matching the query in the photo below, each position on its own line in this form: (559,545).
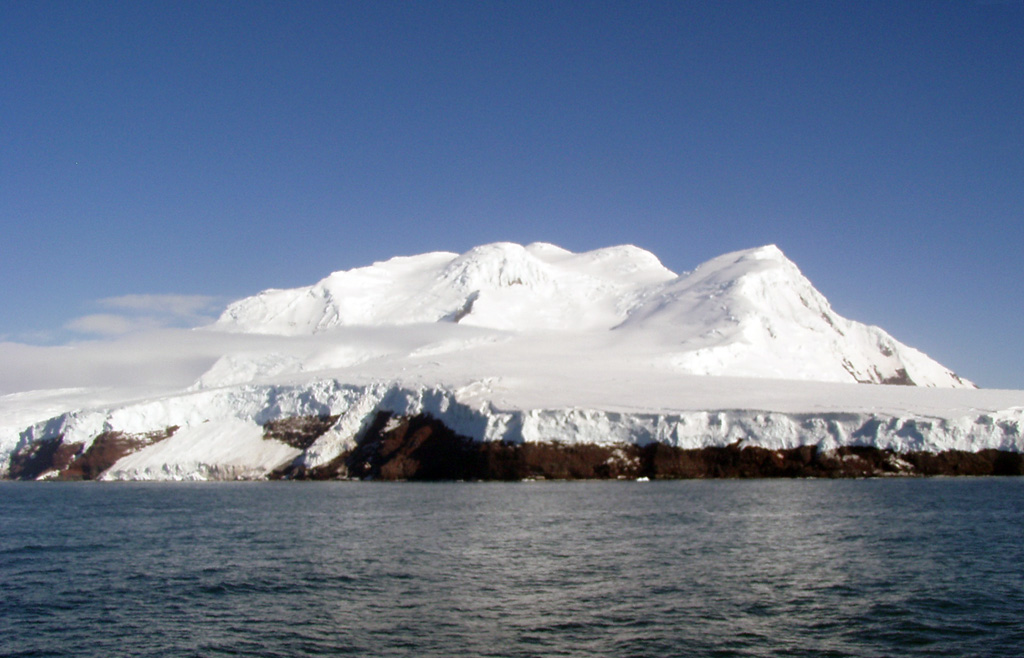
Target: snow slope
(746,314)
(501,286)
(752,313)
(535,343)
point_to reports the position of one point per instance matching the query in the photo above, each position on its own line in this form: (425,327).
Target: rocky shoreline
(421,447)
(58,459)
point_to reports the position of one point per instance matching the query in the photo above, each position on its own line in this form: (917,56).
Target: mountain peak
(764,252)
(501,285)
(499,264)
(753,312)
(748,259)
(745,313)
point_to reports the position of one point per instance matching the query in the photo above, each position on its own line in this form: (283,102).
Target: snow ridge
(749,313)
(501,286)
(754,313)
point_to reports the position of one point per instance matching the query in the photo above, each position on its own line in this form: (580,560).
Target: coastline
(421,447)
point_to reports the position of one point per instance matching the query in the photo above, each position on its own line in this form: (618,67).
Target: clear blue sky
(219,148)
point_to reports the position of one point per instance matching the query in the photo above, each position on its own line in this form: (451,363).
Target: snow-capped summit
(753,312)
(746,313)
(498,286)
(497,265)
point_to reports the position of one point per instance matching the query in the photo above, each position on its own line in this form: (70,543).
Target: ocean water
(926,567)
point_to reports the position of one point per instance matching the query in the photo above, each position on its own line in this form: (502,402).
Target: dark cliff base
(68,461)
(423,448)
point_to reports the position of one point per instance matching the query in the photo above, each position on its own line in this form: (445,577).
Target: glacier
(525,344)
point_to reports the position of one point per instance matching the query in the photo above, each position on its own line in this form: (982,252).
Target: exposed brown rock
(423,448)
(957,462)
(418,448)
(38,457)
(899,378)
(298,431)
(107,448)
(68,461)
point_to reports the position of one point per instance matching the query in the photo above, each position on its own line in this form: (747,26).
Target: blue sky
(160,159)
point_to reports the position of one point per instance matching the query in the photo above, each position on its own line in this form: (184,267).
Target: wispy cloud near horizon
(111,324)
(146,312)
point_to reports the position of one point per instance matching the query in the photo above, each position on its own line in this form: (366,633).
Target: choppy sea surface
(927,567)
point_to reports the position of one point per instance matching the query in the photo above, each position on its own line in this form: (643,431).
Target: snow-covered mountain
(747,314)
(523,345)
(498,286)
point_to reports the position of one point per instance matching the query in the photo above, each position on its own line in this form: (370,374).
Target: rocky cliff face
(314,429)
(54,458)
(421,447)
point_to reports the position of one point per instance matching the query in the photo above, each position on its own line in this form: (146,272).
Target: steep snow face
(753,313)
(499,286)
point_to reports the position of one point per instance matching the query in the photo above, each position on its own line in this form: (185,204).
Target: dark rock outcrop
(900,378)
(958,462)
(107,448)
(33,459)
(423,448)
(418,448)
(68,461)
(298,431)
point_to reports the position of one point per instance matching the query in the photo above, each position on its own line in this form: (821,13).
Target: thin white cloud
(173,305)
(109,324)
(167,357)
(173,359)
(147,312)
